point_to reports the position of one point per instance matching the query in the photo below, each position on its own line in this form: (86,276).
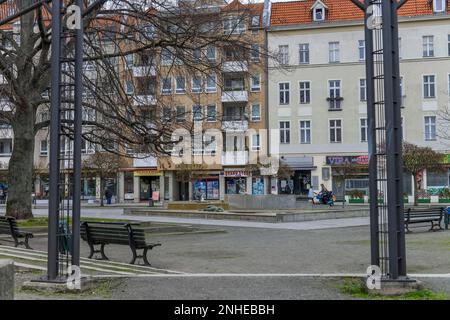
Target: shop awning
(299,162)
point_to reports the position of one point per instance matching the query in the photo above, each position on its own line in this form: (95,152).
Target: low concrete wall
(6,280)
(261,202)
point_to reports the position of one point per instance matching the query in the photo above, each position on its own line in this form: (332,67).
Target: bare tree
(120,112)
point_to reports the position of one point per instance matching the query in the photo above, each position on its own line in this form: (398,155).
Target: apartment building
(230,98)
(318,98)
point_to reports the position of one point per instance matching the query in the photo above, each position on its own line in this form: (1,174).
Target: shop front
(149,184)
(258,185)
(350,176)
(235,181)
(300,181)
(206,187)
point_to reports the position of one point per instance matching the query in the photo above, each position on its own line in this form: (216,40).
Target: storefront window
(235,185)
(209,188)
(88,188)
(148,185)
(128,182)
(257,186)
(286,186)
(437,179)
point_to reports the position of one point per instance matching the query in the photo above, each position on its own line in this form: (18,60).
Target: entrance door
(144,188)
(338,187)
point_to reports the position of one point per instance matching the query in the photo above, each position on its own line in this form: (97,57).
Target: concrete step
(39,259)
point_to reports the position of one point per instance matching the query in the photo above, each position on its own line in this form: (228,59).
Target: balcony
(234,125)
(141,161)
(144,71)
(234,158)
(234,96)
(234,66)
(144,100)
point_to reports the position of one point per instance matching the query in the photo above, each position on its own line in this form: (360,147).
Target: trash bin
(447,218)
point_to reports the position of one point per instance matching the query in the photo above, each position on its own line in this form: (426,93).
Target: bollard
(6,280)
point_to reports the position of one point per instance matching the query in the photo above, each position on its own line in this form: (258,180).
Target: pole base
(397,287)
(58,285)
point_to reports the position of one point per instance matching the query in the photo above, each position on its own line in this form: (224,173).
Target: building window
(256,112)
(167,85)
(196,84)
(256,82)
(283,54)
(197,54)
(5,147)
(305,131)
(335,94)
(284,92)
(448,44)
(429,86)
(439,6)
(362,90)
(363,129)
(44,148)
(234,25)
(211,113)
(333,49)
(319,13)
(362,49)
(181,85)
(197,113)
(256,143)
(428,46)
(166,57)
(430,128)
(167,114)
(211,53)
(181,114)
(285,132)
(128,60)
(303,53)
(399,47)
(211,83)
(254,53)
(335,131)
(129,87)
(305,92)
(255,21)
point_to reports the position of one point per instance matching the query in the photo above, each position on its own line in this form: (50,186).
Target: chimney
(266,13)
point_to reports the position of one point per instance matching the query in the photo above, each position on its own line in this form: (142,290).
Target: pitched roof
(298,12)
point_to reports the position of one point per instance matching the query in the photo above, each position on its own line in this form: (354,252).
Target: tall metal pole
(76,206)
(55,103)
(371,125)
(393,141)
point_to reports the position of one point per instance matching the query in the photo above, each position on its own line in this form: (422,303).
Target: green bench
(8,226)
(104,233)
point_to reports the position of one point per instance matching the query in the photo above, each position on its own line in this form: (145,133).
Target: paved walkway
(117,213)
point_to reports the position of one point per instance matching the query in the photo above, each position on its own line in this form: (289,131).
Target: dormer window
(318,11)
(439,6)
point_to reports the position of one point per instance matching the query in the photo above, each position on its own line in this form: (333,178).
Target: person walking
(108,195)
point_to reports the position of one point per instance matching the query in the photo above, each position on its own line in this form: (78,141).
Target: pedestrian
(108,195)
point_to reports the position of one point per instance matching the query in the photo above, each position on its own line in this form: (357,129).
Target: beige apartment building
(318,99)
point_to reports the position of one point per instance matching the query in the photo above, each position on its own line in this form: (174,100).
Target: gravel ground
(253,250)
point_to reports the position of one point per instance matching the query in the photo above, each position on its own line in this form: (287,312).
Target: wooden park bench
(103,233)
(8,226)
(431,215)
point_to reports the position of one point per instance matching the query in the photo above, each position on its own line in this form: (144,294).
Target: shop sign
(342,160)
(236,173)
(147,173)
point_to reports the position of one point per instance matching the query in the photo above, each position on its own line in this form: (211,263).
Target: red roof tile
(299,12)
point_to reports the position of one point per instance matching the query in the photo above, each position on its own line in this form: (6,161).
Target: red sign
(155,195)
(340,160)
(236,173)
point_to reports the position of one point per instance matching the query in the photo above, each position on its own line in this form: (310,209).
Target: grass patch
(357,289)
(103,289)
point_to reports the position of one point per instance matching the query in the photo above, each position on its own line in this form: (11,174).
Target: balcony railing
(335,103)
(235,125)
(144,100)
(240,95)
(144,71)
(234,158)
(234,66)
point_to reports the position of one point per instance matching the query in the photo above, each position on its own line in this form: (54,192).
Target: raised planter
(424,200)
(444,200)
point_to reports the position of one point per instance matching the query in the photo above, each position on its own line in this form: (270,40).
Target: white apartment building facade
(317,93)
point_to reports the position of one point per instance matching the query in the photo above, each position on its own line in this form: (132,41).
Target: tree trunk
(102,192)
(415,187)
(20,171)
